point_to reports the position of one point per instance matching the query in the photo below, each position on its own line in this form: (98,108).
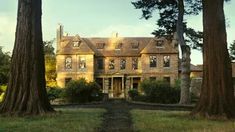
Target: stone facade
(118,64)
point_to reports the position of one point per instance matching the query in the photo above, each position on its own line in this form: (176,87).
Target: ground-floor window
(67,80)
(167,79)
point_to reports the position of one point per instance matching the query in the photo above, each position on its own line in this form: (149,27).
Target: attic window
(100,45)
(118,45)
(159,43)
(135,45)
(77,43)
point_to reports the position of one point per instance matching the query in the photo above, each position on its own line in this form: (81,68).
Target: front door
(117,87)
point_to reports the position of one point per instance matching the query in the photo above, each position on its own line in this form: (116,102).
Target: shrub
(160,92)
(133,93)
(54,93)
(80,91)
(2,91)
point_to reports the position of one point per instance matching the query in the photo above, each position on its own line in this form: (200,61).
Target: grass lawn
(176,121)
(69,120)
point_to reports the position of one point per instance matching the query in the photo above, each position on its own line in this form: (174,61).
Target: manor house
(117,64)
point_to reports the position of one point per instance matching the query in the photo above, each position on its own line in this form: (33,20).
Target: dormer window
(159,43)
(77,43)
(100,45)
(135,45)
(118,46)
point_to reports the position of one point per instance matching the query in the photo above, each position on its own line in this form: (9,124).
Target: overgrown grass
(176,121)
(69,120)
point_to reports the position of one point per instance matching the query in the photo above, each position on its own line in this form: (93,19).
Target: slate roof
(146,45)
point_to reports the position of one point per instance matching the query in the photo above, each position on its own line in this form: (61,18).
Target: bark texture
(185,62)
(26,92)
(217,93)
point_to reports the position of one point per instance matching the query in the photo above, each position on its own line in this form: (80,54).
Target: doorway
(117,87)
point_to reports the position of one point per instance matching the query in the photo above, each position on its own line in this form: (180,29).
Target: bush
(54,93)
(80,91)
(133,93)
(2,91)
(160,92)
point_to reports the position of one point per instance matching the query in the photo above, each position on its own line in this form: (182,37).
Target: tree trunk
(26,93)
(185,75)
(185,61)
(217,93)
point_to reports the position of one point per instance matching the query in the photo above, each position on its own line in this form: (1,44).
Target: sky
(97,18)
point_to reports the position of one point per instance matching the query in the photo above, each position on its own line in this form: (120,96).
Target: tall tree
(4,66)
(172,20)
(26,92)
(50,63)
(217,93)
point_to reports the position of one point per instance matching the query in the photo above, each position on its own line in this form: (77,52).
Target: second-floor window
(134,63)
(166,61)
(123,64)
(82,63)
(68,63)
(100,63)
(153,61)
(111,64)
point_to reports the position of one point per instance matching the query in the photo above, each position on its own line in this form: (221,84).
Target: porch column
(123,88)
(112,87)
(127,88)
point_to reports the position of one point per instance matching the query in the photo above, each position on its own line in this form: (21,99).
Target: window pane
(123,64)
(82,63)
(167,80)
(134,63)
(68,63)
(111,64)
(153,61)
(159,43)
(166,61)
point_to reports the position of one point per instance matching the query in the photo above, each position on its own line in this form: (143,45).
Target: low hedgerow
(81,91)
(160,92)
(54,93)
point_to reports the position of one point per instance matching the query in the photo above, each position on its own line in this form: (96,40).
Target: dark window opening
(135,45)
(134,63)
(111,64)
(159,43)
(152,78)
(118,46)
(67,80)
(166,61)
(100,45)
(68,63)
(123,64)
(100,63)
(153,61)
(167,80)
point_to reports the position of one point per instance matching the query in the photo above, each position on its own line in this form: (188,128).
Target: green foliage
(54,93)
(232,51)
(80,91)
(133,93)
(2,91)
(160,92)
(168,12)
(5,60)
(50,63)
